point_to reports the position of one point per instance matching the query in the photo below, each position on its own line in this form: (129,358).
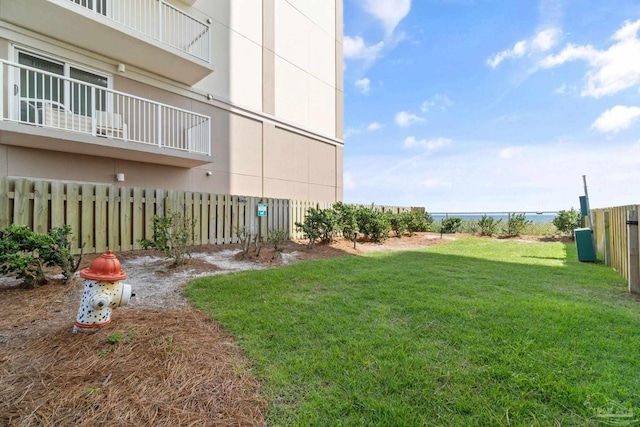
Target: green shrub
(328,222)
(516,225)
(398,222)
(319,224)
(416,222)
(567,221)
(278,238)
(451,225)
(488,225)
(373,223)
(428,220)
(347,219)
(25,254)
(244,236)
(172,235)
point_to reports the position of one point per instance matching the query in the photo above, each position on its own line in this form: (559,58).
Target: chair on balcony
(56,115)
(110,125)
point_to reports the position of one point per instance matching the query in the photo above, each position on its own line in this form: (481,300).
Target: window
(36,87)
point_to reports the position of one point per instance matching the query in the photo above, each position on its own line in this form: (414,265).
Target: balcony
(152,35)
(40,109)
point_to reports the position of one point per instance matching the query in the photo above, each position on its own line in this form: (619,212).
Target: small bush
(319,224)
(516,225)
(346,216)
(278,238)
(25,254)
(428,220)
(567,221)
(172,236)
(451,225)
(417,222)
(488,225)
(244,235)
(397,222)
(373,224)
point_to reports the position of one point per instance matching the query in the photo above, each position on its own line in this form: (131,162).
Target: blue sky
(492,105)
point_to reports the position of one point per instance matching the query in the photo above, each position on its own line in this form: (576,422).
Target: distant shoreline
(536,218)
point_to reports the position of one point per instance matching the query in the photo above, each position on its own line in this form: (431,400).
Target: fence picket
(137,228)
(57,204)
(21,202)
(113,218)
(87,225)
(227,220)
(219,219)
(235,218)
(125,219)
(5,217)
(211,212)
(73,215)
(40,207)
(160,202)
(149,212)
(197,218)
(101,231)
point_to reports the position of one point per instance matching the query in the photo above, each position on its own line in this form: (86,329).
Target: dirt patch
(160,362)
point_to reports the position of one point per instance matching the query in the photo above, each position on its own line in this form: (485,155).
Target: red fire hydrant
(103,292)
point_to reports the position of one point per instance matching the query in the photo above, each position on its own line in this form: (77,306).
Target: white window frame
(67,66)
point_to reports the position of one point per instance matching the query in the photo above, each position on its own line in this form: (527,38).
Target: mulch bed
(160,368)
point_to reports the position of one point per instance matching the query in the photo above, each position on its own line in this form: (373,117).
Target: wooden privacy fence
(610,234)
(104,217)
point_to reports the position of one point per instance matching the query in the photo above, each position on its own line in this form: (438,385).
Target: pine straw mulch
(160,368)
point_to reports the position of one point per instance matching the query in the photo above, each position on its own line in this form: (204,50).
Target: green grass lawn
(473,332)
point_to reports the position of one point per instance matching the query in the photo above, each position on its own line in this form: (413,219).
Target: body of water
(545,217)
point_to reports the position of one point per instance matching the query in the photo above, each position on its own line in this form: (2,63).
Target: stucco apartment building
(223,96)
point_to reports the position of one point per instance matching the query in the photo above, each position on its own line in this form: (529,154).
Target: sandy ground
(158,286)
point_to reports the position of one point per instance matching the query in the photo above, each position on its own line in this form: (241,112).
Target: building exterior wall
(274,98)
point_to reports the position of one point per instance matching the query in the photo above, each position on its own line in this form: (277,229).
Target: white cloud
(388,12)
(349,132)
(570,53)
(509,152)
(541,42)
(364,85)
(374,126)
(611,70)
(435,183)
(545,39)
(441,102)
(561,90)
(405,119)
(356,48)
(427,144)
(616,119)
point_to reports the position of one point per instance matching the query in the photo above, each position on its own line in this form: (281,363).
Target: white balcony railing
(159,20)
(36,97)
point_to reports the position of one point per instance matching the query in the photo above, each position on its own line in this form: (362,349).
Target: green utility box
(584,210)
(584,244)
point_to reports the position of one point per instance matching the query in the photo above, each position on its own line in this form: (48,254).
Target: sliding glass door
(40,92)
(35,88)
